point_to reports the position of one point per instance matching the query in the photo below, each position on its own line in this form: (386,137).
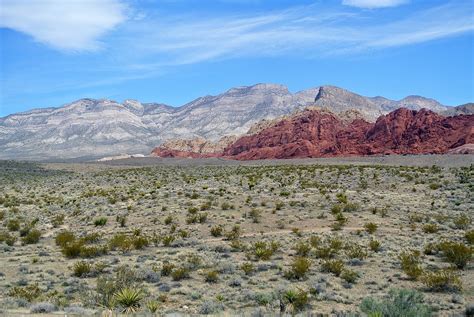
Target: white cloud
(74,25)
(370,4)
(307,31)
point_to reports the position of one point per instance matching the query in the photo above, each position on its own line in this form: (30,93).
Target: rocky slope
(317,133)
(98,128)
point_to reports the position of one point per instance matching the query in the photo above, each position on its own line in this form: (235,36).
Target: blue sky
(171,51)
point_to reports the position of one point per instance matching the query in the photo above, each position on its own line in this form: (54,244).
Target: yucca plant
(128,299)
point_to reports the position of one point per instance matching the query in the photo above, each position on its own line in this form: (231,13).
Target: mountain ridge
(103,127)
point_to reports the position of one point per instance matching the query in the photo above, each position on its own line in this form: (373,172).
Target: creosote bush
(299,268)
(456,253)
(442,280)
(332,266)
(410,262)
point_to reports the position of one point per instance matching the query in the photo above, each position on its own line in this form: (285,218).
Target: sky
(53,52)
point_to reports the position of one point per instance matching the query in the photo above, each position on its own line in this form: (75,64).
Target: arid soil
(251,238)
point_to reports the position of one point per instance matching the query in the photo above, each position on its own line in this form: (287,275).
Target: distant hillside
(98,128)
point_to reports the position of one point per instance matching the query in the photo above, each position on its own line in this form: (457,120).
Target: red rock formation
(319,133)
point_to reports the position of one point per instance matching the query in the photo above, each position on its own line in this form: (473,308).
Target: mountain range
(96,128)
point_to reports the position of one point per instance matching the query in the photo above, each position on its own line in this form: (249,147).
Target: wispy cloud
(63,24)
(371,4)
(307,30)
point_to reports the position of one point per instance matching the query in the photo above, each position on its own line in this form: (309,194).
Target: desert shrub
(332,266)
(442,280)
(64,237)
(469,236)
(411,263)
(350,207)
(13,225)
(342,198)
(255,215)
(295,300)
(29,292)
(122,220)
(42,308)
(430,228)
(298,268)
(302,248)
(210,307)
(167,240)
(167,268)
(72,249)
(58,220)
(100,222)
(399,303)
(8,238)
(217,231)
(211,276)
(349,276)
(314,241)
(248,268)
(128,299)
(434,186)
(152,306)
(32,237)
(264,250)
(226,206)
(92,251)
(180,274)
(355,251)
(462,221)
(370,227)
(81,269)
(234,233)
(374,245)
(169,219)
(456,253)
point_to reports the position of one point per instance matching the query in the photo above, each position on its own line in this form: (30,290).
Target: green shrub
(302,248)
(234,233)
(102,221)
(32,237)
(430,228)
(180,274)
(442,280)
(456,253)
(217,231)
(295,300)
(167,268)
(152,306)
(64,237)
(13,225)
(355,251)
(462,222)
(370,227)
(247,267)
(411,264)
(333,266)
(470,236)
(374,245)
(29,292)
(8,238)
(399,303)
(81,269)
(211,276)
(349,276)
(299,268)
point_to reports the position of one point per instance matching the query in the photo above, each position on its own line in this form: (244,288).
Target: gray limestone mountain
(97,128)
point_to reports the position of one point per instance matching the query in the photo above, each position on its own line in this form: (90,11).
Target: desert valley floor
(330,236)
